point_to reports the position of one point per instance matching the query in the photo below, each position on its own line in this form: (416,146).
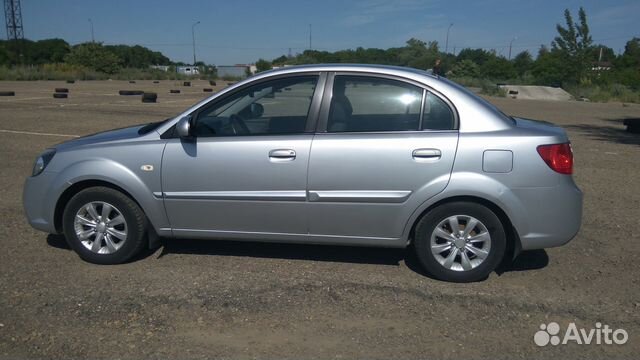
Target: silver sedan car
(324,154)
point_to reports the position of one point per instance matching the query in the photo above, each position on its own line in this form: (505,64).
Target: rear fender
(483,187)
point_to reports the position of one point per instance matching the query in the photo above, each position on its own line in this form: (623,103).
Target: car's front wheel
(460,242)
(104,226)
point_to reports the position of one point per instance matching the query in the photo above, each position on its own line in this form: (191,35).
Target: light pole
(510,45)
(92,38)
(193,36)
(446,44)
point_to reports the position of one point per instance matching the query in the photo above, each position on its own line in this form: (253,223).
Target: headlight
(42,161)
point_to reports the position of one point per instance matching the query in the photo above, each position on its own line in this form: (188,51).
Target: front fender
(140,186)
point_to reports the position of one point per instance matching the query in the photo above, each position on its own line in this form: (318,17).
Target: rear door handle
(433,154)
(282,154)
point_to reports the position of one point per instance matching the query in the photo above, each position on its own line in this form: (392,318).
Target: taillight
(559,157)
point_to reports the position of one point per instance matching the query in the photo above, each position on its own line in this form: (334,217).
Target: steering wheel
(237,120)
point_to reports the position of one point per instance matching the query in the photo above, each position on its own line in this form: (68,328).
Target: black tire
(61,90)
(156,82)
(71,81)
(427,225)
(60,95)
(207,90)
(130,92)
(212,83)
(186,83)
(173,91)
(132,81)
(7,93)
(135,219)
(149,97)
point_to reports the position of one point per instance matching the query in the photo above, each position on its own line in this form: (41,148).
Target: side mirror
(183,127)
(256,110)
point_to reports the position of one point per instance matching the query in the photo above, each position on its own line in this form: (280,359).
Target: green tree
(138,56)
(94,56)
(550,68)
(478,56)
(263,65)
(466,68)
(498,68)
(626,68)
(48,51)
(574,44)
(522,63)
(280,60)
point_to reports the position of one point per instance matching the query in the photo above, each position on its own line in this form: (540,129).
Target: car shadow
(616,133)
(526,261)
(327,253)
(57,241)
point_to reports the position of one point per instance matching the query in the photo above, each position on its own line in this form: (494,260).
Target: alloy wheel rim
(100,227)
(460,243)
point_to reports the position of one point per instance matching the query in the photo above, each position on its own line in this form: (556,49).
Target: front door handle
(282,154)
(432,154)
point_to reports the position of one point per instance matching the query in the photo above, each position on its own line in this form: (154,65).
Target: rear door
(384,145)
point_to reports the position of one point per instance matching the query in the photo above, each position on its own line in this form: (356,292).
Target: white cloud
(370,11)
(615,15)
(358,20)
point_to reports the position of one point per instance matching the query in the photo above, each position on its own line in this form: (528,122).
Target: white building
(187,70)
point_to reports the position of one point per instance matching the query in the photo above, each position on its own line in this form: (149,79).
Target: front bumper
(39,201)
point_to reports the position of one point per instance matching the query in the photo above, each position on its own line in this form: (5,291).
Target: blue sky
(242,31)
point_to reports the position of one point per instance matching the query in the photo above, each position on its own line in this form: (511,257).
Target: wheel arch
(75,188)
(514,246)
(109,173)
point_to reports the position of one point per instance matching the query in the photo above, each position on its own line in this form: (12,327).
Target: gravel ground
(199,299)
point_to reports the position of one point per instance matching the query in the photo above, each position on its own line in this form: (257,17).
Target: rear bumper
(554,214)
(36,200)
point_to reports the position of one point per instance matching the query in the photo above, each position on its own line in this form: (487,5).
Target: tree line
(102,58)
(572,59)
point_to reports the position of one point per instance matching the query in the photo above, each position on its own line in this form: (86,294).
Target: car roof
(390,69)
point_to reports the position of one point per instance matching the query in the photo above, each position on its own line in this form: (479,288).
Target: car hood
(102,137)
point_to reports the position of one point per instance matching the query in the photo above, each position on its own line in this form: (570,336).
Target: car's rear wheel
(460,242)
(104,226)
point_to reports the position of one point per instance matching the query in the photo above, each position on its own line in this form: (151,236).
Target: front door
(244,174)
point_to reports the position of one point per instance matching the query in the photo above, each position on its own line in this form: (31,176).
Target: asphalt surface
(205,299)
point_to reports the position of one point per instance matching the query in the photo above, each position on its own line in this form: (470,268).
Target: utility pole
(510,45)
(92,38)
(310,44)
(600,55)
(15,31)
(446,43)
(193,36)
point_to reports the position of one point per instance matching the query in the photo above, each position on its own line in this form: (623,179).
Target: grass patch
(76,72)
(605,93)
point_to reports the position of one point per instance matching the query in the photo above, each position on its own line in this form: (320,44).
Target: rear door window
(368,104)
